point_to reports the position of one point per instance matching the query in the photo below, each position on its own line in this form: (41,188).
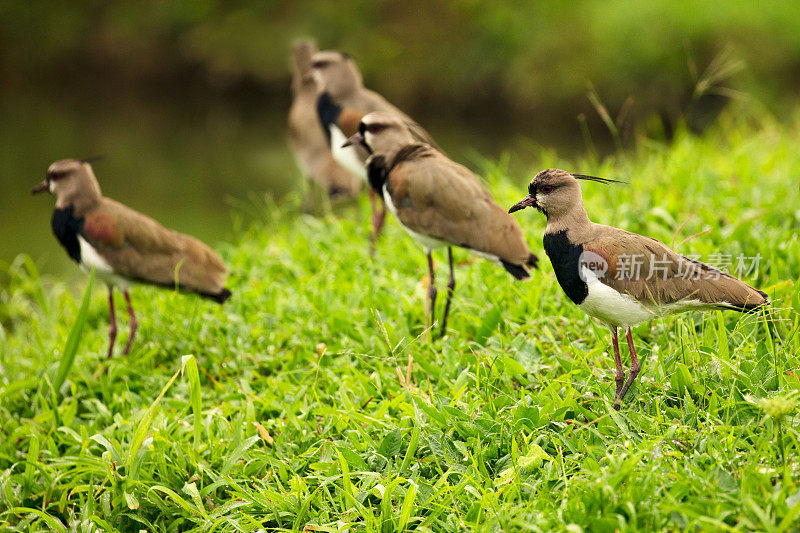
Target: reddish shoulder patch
(349,121)
(102,229)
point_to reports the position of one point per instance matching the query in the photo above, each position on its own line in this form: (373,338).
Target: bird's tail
(219,297)
(521,272)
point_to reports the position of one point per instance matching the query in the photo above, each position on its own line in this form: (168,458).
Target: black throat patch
(328,112)
(565,258)
(377,172)
(66,228)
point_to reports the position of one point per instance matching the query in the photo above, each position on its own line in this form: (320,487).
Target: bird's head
(71,181)
(555,192)
(335,73)
(302,52)
(381,134)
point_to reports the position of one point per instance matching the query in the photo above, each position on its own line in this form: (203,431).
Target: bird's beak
(528,201)
(43,186)
(358,138)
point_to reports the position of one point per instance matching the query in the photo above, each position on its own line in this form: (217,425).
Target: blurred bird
(439,202)
(123,245)
(622,278)
(343,101)
(307,140)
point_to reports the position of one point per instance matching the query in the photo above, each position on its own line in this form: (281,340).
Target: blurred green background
(187,99)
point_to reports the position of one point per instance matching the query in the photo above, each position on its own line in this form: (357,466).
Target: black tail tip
(748,307)
(533,261)
(219,297)
(517,271)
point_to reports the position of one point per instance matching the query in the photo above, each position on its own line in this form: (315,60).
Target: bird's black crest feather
(595,178)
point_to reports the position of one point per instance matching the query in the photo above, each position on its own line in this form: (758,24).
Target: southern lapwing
(307,140)
(342,102)
(622,278)
(439,202)
(125,246)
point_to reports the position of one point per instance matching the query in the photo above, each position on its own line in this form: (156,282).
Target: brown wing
(436,197)
(649,271)
(138,247)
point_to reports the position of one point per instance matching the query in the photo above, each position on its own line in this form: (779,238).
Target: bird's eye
(56,174)
(546,189)
(318,64)
(375,128)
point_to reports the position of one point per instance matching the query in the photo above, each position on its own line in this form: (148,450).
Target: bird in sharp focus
(622,278)
(123,245)
(438,202)
(307,140)
(342,102)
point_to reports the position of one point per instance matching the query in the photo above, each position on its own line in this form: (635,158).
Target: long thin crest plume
(595,178)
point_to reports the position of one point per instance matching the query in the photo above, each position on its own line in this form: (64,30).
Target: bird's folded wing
(650,272)
(138,247)
(437,197)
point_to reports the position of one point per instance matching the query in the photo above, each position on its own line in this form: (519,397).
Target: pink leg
(431,291)
(112,317)
(378,215)
(634,364)
(133,322)
(620,377)
(451,285)
(378,220)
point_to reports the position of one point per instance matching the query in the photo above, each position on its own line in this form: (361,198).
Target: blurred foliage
(501,59)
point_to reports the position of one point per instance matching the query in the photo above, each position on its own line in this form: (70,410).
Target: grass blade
(147,419)
(75,336)
(190,366)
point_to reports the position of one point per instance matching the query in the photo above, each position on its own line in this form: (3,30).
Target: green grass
(289,407)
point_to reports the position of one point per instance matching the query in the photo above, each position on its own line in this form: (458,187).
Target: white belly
(91,259)
(617,309)
(610,306)
(347,156)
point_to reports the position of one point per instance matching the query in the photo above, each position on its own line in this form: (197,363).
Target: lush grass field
(314,400)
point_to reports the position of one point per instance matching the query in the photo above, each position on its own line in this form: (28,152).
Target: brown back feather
(437,197)
(138,247)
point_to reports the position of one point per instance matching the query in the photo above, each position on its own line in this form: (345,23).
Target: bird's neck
(574,220)
(81,203)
